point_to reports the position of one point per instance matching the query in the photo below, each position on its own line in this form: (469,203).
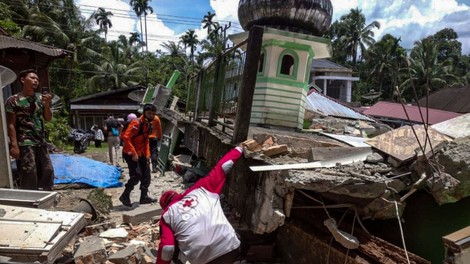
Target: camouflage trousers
(35,168)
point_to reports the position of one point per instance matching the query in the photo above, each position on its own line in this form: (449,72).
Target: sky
(410,20)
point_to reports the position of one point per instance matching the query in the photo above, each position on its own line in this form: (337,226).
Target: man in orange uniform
(154,137)
(136,153)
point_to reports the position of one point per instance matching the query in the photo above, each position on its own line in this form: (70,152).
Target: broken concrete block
(275,150)
(140,215)
(374,158)
(115,233)
(93,230)
(147,260)
(268,142)
(91,250)
(126,256)
(252,145)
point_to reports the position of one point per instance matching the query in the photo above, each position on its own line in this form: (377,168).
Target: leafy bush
(57,131)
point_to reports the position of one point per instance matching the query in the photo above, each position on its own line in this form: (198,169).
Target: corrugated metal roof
(105,93)
(103,107)
(328,106)
(395,110)
(11,42)
(450,99)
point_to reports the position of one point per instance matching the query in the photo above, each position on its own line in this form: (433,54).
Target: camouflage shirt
(29,118)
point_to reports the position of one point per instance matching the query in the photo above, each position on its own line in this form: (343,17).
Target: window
(287,65)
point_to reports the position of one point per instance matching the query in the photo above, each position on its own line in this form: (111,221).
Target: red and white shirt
(195,220)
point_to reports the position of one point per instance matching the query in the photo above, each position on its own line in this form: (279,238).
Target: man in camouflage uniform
(26,112)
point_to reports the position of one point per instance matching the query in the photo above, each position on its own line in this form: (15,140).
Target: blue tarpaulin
(77,169)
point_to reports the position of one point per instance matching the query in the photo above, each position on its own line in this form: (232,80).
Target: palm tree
(102,18)
(354,35)
(425,72)
(385,58)
(207,21)
(141,7)
(112,70)
(189,39)
(173,49)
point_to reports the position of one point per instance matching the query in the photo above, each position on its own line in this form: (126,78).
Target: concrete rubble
(385,172)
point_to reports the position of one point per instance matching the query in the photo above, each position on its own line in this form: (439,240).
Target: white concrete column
(324,86)
(7,76)
(348,91)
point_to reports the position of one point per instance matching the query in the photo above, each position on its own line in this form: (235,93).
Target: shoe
(154,171)
(125,200)
(147,200)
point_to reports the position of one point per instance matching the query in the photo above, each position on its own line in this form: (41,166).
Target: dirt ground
(70,195)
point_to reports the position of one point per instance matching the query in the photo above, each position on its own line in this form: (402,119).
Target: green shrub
(57,131)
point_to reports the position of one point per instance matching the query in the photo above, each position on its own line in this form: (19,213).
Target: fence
(215,94)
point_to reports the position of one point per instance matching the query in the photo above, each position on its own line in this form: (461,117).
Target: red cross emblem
(188,203)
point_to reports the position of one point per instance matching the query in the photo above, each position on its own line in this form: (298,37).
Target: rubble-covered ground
(109,239)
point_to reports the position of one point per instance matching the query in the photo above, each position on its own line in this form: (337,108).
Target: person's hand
(15,152)
(135,157)
(46,99)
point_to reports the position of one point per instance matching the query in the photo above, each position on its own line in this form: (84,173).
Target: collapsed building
(346,188)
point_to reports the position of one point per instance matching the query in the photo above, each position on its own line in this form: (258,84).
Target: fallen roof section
(396,111)
(325,105)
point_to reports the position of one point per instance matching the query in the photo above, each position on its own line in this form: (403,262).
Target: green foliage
(101,201)
(57,130)
(6,21)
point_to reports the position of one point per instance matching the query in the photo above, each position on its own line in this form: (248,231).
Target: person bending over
(195,223)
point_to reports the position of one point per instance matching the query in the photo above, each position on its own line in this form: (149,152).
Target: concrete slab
(455,127)
(402,143)
(141,214)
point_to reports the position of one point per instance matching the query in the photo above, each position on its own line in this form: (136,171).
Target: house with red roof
(397,115)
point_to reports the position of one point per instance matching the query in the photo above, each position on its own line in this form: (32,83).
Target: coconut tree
(142,7)
(102,18)
(173,49)
(425,73)
(207,21)
(111,70)
(189,40)
(353,35)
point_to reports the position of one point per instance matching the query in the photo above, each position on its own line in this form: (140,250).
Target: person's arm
(11,127)
(215,180)
(131,131)
(166,249)
(47,100)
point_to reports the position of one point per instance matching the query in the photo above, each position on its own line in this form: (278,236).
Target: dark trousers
(153,144)
(35,168)
(97,143)
(139,171)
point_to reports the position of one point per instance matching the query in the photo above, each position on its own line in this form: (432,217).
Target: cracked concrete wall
(256,201)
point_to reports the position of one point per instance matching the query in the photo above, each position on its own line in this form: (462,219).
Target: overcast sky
(411,20)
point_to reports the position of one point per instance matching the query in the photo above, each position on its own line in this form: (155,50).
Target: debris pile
(106,243)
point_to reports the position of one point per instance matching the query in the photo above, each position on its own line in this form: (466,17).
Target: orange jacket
(135,143)
(156,129)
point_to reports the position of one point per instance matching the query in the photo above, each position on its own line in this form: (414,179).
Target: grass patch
(91,148)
